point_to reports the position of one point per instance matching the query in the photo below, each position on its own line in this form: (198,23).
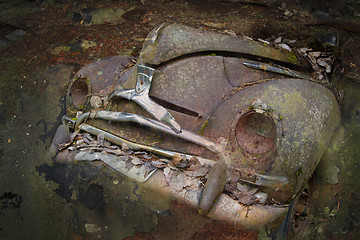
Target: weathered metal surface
(276,129)
(146,122)
(225,209)
(172,41)
(276,69)
(187,189)
(181,217)
(151,137)
(335,192)
(196,84)
(214,186)
(117,163)
(98,78)
(238,74)
(135,146)
(256,139)
(140,95)
(305,115)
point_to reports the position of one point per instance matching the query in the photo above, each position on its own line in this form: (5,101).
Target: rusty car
(232,127)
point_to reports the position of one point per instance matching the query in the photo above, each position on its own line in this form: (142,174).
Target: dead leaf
(116,152)
(136,160)
(245,190)
(192,183)
(197,171)
(100,139)
(179,161)
(246,200)
(148,168)
(241,187)
(167,174)
(144,155)
(128,164)
(125,147)
(177,181)
(158,164)
(194,161)
(86,140)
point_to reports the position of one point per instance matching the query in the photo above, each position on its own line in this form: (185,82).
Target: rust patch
(79,93)
(256,133)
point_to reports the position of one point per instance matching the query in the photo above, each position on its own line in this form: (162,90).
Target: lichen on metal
(257,127)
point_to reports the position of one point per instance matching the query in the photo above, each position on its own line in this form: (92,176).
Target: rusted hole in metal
(79,92)
(256,133)
(174,107)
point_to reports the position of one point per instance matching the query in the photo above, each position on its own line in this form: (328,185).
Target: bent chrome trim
(140,95)
(136,146)
(130,117)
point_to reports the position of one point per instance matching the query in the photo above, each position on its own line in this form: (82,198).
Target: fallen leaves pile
(321,63)
(181,173)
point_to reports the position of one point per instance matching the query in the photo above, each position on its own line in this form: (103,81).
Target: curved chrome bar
(140,95)
(136,146)
(130,117)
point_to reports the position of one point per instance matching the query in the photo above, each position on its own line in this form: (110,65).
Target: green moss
(203,127)
(293,58)
(153,139)
(58,49)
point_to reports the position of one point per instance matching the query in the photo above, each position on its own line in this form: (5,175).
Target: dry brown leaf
(158,164)
(136,160)
(179,161)
(128,164)
(197,171)
(167,174)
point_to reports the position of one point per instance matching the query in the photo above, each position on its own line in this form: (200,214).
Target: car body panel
(275,129)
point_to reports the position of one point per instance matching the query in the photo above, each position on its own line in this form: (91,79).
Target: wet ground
(43,200)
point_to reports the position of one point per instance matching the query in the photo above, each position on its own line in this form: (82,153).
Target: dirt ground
(62,36)
(48,25)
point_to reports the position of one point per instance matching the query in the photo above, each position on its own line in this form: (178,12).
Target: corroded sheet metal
(238,74)
(147,122)
(305,114)
(140,95)
(225,209)
(197,84)
(105,73)
(171,41)
(99,78)
(259,146)
(215,96)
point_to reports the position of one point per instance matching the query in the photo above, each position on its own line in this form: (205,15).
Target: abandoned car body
(203,100)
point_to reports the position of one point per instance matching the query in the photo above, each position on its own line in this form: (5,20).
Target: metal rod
(136,146)
(130,117)
(270,68)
